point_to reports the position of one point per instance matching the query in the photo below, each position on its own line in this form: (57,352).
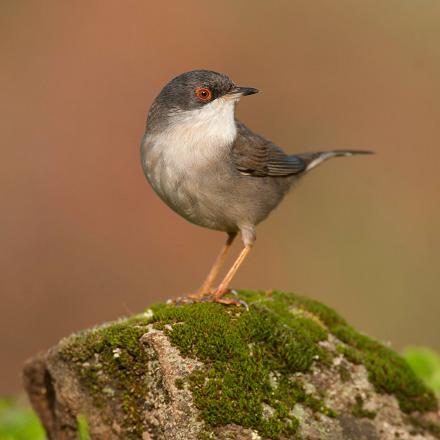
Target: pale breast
(183,162)
(195,192)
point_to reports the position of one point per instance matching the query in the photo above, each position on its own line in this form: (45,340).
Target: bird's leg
(223,287)
(215,269)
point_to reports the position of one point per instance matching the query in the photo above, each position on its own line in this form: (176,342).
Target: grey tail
(313,159)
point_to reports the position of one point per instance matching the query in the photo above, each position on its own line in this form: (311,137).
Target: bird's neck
(213,123)
(200,135)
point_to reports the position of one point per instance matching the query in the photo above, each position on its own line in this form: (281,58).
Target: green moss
(358,409)
(112,365)
(422,425)
(240,349)
(279,333)
(350,353)
(179,383)
(204,435)
(252,361)
(344,374)
(388,372)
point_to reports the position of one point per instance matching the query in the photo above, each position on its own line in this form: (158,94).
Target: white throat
(198,136)
(214,122)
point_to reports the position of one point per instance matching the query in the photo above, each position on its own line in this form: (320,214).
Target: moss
(240,350)
(253,360)
(422,425)
(204,435)
(388,372)
(344,374)
(351,354)
(179,383)
(358,409)
(279,333)
(112,365)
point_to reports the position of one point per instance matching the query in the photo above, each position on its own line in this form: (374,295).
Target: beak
(243,91)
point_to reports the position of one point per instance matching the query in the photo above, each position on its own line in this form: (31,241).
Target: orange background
(83,237)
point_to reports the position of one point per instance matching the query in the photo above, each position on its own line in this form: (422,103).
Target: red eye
(203,94)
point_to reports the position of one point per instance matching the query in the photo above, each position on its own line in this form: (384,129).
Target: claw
(194,297)
(182,300)
(229,301)
(212,296)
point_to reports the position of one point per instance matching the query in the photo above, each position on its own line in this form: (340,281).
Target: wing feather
(254,155)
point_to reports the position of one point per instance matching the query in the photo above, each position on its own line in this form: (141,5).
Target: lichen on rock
(288,367)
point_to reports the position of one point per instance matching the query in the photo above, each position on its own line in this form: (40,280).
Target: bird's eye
(203,94)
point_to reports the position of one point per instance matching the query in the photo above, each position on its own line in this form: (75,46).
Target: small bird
(213,170)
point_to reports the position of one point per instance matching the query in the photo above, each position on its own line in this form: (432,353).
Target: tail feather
(314,159)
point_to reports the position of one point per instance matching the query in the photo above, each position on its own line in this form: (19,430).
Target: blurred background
(83,237)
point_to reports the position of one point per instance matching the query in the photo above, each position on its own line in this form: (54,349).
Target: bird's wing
(256,156)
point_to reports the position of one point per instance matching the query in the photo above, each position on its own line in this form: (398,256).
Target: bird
(213,170)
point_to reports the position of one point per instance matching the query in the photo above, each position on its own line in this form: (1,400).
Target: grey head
(191,91)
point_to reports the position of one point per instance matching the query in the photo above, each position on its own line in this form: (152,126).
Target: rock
(287,368)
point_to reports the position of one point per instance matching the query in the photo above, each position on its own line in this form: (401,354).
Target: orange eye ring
(203,94)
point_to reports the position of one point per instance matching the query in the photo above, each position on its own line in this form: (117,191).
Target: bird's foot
(195,297)
(200,295)
(211,296)
(229,301)
(219,297)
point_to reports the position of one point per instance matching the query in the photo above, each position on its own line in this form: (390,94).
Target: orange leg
(223,287)
(215,269)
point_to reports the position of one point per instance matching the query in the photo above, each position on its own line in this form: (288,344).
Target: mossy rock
(287,367)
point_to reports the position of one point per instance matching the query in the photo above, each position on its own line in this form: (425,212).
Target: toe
(229,301)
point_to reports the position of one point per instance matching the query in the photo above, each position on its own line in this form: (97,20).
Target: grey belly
(200,199)
(219,199)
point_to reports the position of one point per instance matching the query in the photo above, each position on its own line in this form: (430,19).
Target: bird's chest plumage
(187,162)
